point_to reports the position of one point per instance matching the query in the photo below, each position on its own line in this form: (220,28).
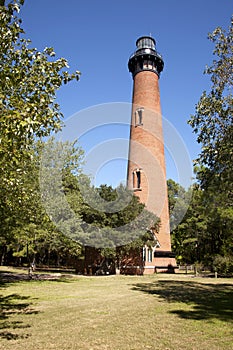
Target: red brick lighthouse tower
(146,164)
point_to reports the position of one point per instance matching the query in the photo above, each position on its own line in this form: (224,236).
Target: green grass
(117,313)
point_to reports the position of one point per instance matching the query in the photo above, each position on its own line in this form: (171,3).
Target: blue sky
(98,36)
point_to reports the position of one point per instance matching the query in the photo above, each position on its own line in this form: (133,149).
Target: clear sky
(98,36)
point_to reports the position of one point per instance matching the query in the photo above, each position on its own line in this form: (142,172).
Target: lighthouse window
(137,179)
(138,174)
(150,64)
(145,64)
(134,179)
(139,117)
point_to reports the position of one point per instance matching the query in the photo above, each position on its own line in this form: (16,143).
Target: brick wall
(146,152)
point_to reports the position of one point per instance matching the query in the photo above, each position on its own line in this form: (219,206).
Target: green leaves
(29,80)
(213,124)
(213,120)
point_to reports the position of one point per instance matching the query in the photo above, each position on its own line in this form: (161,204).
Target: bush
(223,265)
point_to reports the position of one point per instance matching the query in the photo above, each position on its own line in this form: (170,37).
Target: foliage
(30,232)
(206,229)
(120,220)
(213,124)
(178,202)
(214,113)
(183,236)
(28,111)
(213,121)
(223,265)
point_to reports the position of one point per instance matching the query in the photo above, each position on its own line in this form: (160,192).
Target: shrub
(223,265)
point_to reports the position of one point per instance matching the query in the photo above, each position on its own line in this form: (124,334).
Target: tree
(213,124)
(178,202)
(115,223)
(29,81)
(30,231)
(120,213)
(28,111)
(213,120)
(205,232)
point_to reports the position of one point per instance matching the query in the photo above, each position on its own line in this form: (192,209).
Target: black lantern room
(145,57)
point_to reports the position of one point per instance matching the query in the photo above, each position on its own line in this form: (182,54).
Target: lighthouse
(146,175)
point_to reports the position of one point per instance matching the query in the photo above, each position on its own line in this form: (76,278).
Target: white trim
(137,267)
(149,267)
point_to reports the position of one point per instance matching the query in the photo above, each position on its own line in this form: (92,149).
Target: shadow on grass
(11,305)
(16,304)
(8,277)
(207,300)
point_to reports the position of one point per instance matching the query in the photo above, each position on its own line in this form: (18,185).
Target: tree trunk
(3,256)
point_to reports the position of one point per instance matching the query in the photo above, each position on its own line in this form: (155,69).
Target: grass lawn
(116,312)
